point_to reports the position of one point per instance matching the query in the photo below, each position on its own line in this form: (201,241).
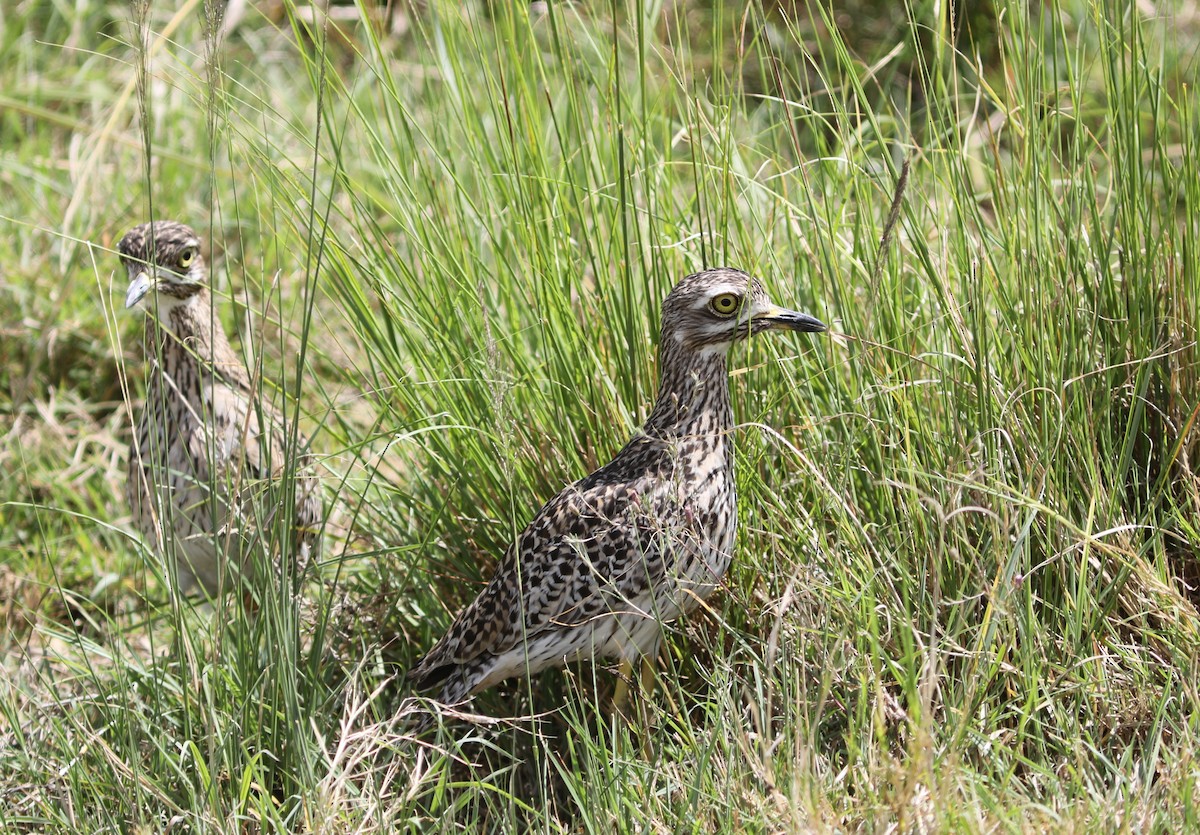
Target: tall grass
(963,595)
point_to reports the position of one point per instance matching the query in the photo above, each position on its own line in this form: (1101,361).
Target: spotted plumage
(207,463)
(638,542)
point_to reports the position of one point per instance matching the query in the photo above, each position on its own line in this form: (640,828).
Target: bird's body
(207,462)
(640,541)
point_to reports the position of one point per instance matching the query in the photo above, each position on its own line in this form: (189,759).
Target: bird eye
(187,257)
(725,304)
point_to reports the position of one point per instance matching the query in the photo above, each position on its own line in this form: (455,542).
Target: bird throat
(693,393)
(186,333)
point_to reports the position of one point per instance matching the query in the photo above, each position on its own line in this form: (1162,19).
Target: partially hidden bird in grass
(211,467)
(642,540)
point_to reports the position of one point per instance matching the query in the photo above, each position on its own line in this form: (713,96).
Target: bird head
(710,310)
(164,257)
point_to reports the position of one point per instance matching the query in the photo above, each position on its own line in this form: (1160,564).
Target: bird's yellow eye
(187,257)
(725,304)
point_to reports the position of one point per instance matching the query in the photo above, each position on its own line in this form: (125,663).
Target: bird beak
(138,288)
(782,319)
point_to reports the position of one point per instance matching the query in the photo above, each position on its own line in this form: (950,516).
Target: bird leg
(648,677)
(621,693)
(646,681)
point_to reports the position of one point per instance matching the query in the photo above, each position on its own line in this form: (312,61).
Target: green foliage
(964,592)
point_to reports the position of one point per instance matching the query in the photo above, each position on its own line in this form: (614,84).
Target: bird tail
(458,680)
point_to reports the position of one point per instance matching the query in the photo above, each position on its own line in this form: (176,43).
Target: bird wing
(248,459)
(589,551)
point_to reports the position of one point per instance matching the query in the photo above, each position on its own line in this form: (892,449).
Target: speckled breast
(163,462)
(709,516)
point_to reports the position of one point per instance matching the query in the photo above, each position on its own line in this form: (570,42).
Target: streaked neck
(192,323)
(693,392)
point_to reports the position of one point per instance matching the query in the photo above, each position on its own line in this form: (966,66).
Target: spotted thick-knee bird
(640,541)
(209,464)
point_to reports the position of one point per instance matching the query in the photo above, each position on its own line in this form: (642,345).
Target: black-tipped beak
(138,288)
(778,317)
